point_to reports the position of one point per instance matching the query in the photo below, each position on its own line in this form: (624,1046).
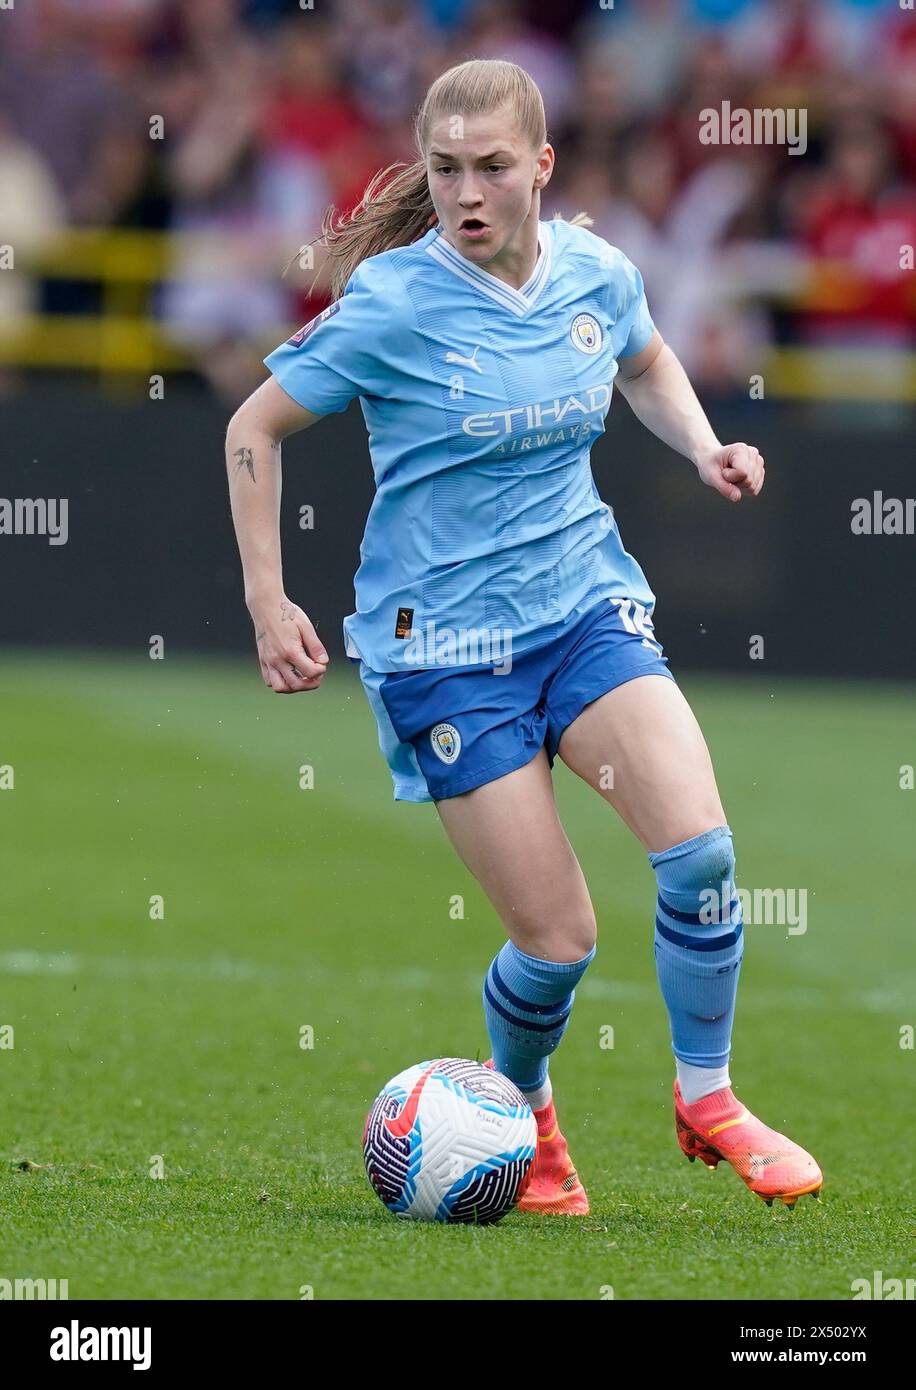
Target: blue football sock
(527,1003)
(699,944)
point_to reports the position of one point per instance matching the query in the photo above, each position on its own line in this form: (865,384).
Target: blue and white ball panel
(468,1138)
(446,730)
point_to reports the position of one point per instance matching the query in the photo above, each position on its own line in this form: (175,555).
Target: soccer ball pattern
(450,1140)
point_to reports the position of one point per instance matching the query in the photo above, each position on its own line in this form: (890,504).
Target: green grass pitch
(176,1040)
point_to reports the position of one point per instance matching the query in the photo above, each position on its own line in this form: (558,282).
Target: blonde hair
(396,207)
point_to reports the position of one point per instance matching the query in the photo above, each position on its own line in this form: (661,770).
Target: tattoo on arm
(244,458)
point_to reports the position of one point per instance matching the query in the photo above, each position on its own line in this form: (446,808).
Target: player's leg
(662,783)
(508,834)
(640,746)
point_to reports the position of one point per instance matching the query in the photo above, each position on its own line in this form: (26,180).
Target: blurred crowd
(242,120)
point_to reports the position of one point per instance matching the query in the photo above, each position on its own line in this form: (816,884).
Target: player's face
(484,180)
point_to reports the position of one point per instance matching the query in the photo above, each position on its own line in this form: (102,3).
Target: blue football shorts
(447,729)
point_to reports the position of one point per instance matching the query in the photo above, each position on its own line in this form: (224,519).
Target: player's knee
(699,938)
(697,872)
(582,939)
(563,942)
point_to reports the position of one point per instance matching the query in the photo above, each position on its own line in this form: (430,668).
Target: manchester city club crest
(446,742)
(585,332)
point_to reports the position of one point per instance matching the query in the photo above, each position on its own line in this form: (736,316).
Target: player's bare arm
(292,656)
(657,389)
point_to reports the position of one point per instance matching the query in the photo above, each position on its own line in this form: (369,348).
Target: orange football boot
(720,1127)
(553,1187)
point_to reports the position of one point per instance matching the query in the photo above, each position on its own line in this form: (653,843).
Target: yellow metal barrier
(126,340)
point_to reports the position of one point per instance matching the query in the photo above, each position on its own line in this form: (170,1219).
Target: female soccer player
(499,621)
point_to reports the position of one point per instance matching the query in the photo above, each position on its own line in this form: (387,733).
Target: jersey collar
(518,301)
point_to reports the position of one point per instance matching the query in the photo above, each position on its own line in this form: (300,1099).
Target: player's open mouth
(473,227)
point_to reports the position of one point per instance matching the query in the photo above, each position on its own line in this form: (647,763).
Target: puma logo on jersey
(466,361)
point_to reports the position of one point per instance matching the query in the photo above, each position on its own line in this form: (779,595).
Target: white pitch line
(413,979)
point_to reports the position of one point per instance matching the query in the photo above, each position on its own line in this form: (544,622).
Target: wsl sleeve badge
(299,338)
(450,1140)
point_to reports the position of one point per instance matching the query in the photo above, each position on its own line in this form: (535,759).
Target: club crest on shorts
(446,742)
(585,332)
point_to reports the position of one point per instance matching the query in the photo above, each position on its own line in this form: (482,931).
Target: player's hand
(733,469)
(291,654)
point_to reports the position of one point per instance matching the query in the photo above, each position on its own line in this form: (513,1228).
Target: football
(450,1140)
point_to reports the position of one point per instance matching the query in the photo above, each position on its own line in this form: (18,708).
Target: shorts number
(636,620)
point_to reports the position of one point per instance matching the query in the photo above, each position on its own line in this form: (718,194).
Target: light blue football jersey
(486,534)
